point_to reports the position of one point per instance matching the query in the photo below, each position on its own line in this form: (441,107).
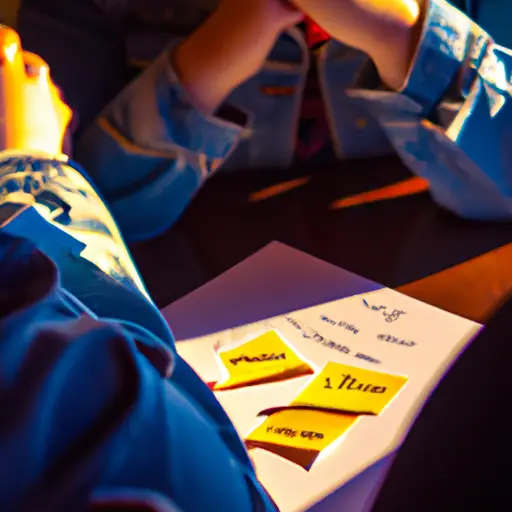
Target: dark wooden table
(403,242)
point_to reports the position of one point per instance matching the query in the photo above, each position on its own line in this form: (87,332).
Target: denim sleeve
(152,149)
(450,123)
(91,419)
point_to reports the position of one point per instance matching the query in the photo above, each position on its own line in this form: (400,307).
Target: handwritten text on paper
(311,334)
(388,338)
(390,315)
(340,323)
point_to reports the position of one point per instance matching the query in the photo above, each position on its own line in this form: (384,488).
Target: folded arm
(152,149)
(450,122)
(168,131)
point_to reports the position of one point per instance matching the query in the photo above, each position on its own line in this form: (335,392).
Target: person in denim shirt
(99,412)
(435,91)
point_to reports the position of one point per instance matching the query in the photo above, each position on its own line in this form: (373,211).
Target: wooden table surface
(473,289)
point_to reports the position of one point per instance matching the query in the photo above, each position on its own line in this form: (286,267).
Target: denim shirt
(151,146)
(98,410)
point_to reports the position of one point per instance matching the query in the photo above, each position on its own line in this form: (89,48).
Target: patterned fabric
(65,199)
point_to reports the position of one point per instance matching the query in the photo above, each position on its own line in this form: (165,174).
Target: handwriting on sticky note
(326,408)
(350,389)
(266,358)
(261,358)
(300,435)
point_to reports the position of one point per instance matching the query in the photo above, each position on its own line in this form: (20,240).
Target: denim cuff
(155,112)
(450,42)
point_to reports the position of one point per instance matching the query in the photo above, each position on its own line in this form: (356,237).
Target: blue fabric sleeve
(91,418)
(450,123)
(52,204)
(152,149)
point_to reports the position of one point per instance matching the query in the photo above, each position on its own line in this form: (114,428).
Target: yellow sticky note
(350,389)
(267,358)
(326,408)
(300,435)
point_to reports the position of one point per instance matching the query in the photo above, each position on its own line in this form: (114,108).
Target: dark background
(392,242)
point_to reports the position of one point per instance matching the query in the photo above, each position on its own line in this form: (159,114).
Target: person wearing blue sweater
(233,85)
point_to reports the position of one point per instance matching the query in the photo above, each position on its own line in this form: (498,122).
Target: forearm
(165,131)
(219,56)
(153,144)
(394,41)
(455,80)
(386,30)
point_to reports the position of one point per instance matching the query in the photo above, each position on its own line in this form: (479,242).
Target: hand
(33,116)
(384,29)
(230,47)
(260,22)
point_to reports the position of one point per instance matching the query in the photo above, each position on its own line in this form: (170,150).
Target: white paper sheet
(285,289)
